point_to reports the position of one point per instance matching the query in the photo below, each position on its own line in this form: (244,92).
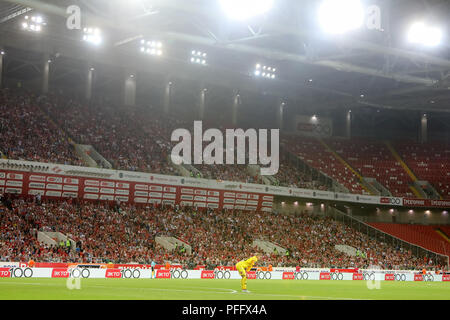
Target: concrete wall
(297,207)
(416,216)
(369,214)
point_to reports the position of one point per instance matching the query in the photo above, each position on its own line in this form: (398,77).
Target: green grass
(177,289)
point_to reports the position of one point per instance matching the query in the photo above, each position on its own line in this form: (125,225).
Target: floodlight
(33,23)
(151,47)
(264,71)
(340,16)
(245,9)
(420,33)
(198,57)
(92,35)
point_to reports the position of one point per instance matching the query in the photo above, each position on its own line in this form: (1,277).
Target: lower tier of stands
(126,234)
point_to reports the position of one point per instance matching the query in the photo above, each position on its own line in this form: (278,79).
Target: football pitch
(201,289)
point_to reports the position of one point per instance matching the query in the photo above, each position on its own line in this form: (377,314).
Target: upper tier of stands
(27,134)
(117,134)
(374,160)
(316,155)
(430,162)
(138,139)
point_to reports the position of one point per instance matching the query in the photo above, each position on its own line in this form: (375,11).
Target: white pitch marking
(167,289)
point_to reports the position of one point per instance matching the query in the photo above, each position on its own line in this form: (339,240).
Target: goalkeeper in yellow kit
(243,267)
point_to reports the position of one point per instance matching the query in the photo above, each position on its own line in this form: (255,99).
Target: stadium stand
(114,133)
(313,152)
(290,176)
(445,230)
(421,235)
(137,139)
(26,133)
(374,160)
(429,161)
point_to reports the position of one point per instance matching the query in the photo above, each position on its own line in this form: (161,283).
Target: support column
(45,73)
(348,124)
(167,96)
(2,53)
(235,107)
(281,106)
(201,107)
(423,128)
(89,83)
(130,89)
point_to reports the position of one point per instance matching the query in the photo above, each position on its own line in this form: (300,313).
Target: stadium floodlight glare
(92,35)
(264,71)
(33,23)
(153,48)
(245,9)
(420,33)
(341,16)
(198,57)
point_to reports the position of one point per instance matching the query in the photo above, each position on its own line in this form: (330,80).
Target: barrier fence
(137,273)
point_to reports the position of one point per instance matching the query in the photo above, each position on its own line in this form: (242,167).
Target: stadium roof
(363,68)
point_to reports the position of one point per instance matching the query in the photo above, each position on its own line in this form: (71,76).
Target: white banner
(198,187)
(135,273)
(313,126)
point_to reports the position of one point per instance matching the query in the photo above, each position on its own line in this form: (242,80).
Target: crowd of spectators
(126,234)
(27,134)
(291,176)
(228,172)
(135,139)
(45,128)
(113,131)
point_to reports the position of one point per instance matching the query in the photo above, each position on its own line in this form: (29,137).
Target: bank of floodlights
(198,57)
(265,71)
(153,48)
(422,34)
(33,23)
(92,35)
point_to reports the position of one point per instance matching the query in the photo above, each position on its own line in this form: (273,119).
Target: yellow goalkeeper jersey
(248,264)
